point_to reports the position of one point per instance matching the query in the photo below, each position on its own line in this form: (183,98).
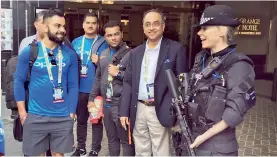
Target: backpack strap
(96,45)
(33,57)
(123,49)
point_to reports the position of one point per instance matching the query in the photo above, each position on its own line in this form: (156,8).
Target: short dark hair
(112,24)
(53,12)
(90,15)
(155,11)
(40,14)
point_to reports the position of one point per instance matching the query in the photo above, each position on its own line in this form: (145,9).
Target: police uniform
(227,93)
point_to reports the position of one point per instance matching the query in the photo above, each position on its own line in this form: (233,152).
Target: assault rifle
(182,139)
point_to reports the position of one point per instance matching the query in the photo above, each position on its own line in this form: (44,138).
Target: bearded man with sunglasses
(53,91)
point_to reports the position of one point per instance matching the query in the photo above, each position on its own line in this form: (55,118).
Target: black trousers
(82,119)
(116,133)
(203,152)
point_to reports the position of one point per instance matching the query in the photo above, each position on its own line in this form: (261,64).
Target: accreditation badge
(84,71)
(109,92)
(150,92)
(58,94)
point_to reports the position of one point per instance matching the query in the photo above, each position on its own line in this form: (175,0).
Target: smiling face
(153,26)
(54,28)
(212,36)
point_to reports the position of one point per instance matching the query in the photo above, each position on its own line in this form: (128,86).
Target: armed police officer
(221,85)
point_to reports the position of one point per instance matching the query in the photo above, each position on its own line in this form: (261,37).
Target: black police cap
(218,15)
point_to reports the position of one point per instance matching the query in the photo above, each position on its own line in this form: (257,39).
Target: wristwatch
(119,75)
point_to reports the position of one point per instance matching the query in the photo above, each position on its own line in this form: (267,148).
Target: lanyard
(145,68)
(82,49)
(112,52)
(48,65)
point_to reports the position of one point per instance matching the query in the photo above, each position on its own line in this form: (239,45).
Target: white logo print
(38,58)
(43,64)
(84,52)
(205,19)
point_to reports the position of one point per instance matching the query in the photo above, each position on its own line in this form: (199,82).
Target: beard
(53,37)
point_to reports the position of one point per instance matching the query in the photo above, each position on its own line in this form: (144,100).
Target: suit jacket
(172,55)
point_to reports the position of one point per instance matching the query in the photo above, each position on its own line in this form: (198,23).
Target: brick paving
(257,135)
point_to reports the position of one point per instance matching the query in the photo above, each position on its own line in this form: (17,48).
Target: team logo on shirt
(43,64)
(85,52)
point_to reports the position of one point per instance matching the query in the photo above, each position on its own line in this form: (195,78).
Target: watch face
(119,74)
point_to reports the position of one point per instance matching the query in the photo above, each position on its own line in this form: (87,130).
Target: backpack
(10,70)
(10,101)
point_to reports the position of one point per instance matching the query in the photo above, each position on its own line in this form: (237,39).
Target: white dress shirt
(148,69)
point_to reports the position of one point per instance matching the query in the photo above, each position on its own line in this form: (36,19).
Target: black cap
(218,15)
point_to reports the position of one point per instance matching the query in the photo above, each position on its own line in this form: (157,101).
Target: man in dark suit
(146,99)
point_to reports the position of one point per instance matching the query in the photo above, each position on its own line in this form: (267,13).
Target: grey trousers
(116,134)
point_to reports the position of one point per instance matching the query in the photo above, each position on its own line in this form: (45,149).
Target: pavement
(257,135)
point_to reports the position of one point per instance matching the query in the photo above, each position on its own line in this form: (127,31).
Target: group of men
(131,82)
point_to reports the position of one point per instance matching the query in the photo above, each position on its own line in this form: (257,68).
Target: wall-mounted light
(125,22)
(87,1)
(107,1)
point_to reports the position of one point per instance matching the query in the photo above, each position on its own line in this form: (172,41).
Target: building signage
(250,26)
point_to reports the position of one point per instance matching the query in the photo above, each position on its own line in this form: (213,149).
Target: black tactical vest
(211,91)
